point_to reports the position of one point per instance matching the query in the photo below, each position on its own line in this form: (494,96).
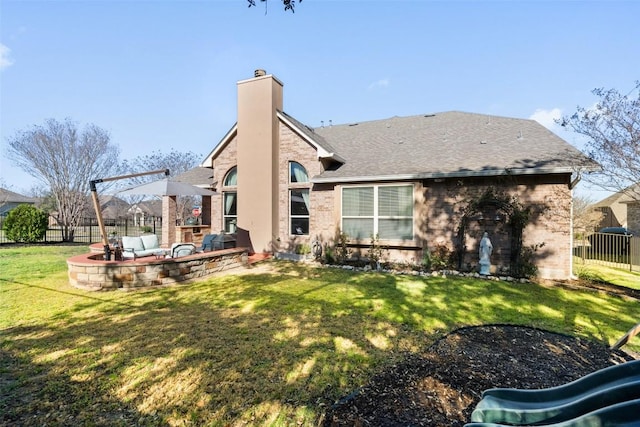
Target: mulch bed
(442,386)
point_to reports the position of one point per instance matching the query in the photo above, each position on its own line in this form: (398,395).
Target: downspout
(572,185)
(575,181)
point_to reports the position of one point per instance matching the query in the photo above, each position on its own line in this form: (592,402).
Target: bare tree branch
(613,131)
(175,161)
(585,216)
(65,158)
(288,4)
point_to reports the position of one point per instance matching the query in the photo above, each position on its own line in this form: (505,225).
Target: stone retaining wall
(90,272)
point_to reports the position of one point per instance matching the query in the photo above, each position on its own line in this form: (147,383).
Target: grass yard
(270,346)
(607,274)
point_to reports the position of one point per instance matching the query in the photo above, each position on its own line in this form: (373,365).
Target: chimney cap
(259,73)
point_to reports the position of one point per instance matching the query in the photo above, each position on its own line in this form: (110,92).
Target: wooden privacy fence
(615,250)
(89,232)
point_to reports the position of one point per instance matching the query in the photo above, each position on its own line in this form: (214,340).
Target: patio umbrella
(166,187)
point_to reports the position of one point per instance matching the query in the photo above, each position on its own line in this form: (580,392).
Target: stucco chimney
(259,100)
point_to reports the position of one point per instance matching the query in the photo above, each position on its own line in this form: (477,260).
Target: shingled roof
(7,196)
(198,176)
(449,144)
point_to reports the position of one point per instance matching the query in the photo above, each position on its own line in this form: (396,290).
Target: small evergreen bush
(26,224)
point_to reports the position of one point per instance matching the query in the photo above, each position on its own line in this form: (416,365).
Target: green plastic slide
(624,414)
(598,390)
(557,413)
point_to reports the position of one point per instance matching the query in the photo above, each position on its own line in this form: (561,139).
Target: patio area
(90,271)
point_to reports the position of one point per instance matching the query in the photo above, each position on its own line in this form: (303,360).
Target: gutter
(442,175)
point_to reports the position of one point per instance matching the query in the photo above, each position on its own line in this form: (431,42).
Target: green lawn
(270,348)
(603,273)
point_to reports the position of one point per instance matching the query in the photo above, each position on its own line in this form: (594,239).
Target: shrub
(342,250)
(146,229)
(375,251)
(303,249)
(26,224)
(526,266)
(437,259)
(329,256)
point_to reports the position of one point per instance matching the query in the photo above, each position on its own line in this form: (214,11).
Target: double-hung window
(382,210)
(298,199)
(230,201)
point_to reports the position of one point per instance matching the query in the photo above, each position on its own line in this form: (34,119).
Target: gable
(228,137)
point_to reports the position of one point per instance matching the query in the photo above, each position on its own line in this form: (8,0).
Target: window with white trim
(230,201)
(382,210)
(298,199)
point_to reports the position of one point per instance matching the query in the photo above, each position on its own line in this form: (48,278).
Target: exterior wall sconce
(481,218)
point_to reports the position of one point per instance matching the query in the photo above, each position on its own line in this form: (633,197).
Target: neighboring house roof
(149,207)
(198,176)
(7,196)
(450,144)
(112,206)
(622,196)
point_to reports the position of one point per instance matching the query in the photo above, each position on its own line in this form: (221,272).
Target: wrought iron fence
(89,232)
(615,250)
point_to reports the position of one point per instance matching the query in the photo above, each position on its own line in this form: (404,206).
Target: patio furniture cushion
(132,243)
(133,247)
(150,241)
(207,242)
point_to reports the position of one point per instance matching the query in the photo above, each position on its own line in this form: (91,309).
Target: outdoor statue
(486,248)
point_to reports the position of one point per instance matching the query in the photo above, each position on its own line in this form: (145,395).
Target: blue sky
(162,74)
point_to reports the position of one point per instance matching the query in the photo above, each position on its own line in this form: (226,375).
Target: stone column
(169,207)
(206,210)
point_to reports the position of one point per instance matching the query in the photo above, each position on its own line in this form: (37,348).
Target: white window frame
(232,219)
(376,217)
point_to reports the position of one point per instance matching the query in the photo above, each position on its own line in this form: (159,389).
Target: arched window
(298,199)
(230,201)
(231,178)
(297,173)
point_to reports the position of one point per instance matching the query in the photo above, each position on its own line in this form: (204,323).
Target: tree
(288,4)
(177,163)
(612,127)
(585,217)
(26,224)
(65,157)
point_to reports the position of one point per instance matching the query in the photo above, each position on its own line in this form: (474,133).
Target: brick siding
(437,214)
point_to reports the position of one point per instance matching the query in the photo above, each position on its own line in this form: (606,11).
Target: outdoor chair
(182,249)
(207,243)
(139,246)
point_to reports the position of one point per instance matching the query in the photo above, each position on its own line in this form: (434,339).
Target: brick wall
(226,159)
(294,148)
(633,217)
(438,211)
(548,196)
(87,272)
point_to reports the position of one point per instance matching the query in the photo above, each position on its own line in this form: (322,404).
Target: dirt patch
(441,386)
